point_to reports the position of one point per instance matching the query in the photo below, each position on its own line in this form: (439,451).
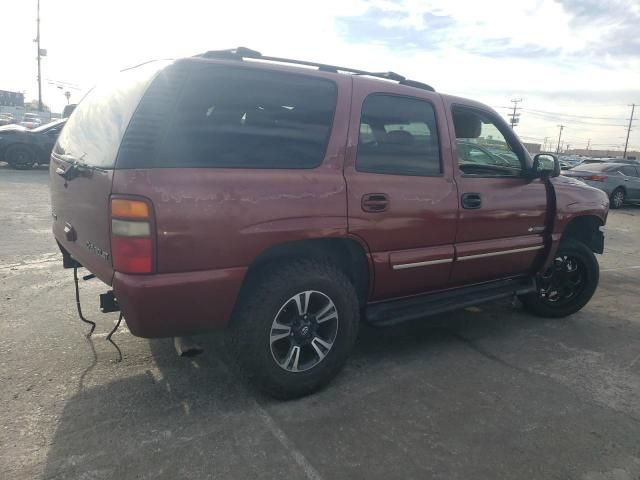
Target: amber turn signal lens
(129,209)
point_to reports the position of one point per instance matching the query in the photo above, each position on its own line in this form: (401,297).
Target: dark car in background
(620,181)
(22,148)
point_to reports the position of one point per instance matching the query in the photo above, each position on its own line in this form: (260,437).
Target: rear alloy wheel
(303,331)
(567,285)
(294,327)
(20,157)
(617,198)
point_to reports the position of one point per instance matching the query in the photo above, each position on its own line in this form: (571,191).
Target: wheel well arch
(586,229)
(345,253)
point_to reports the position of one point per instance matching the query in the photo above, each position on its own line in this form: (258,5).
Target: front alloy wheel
(567,285)
(303,331)
(563,281)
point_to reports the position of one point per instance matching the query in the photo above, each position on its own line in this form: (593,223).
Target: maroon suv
(287,200)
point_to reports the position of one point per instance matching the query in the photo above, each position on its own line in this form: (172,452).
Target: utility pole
(515,116)
(626,144)
(588,144)
(38,44)
(559,138)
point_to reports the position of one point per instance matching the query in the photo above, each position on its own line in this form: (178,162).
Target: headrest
(399,137)
(468,125)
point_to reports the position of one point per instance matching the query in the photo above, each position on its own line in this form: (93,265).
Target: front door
(402,200)
(631,175)
(502,222)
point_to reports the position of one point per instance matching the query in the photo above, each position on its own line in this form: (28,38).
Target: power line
(571,116)
(572,121)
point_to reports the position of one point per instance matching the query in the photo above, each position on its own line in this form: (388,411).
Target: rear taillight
(131,236)
(596,178)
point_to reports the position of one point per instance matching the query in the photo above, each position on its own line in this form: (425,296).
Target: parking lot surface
(483,393)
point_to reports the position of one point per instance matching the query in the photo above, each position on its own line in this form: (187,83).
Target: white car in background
(31,120)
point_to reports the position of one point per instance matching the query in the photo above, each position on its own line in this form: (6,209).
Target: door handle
(375,202)
(471,201)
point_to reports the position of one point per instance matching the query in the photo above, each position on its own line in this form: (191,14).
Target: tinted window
(93,133)
(629,171)
(481,146)
(249,118)
(398,136)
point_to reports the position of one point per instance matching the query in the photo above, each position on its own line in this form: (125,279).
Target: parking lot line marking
(276,431)
(620,268)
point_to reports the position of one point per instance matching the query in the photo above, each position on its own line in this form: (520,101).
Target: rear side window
(398,136)
(630,171)
(249,118)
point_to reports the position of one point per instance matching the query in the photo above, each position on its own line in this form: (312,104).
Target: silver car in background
(620,181)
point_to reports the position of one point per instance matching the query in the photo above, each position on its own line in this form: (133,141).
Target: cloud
(618,20)
(397,29)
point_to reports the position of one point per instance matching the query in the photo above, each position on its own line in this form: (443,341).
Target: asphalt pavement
(489,392)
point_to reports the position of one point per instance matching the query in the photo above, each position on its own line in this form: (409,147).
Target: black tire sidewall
(13,150)
(253,327)
(534,304)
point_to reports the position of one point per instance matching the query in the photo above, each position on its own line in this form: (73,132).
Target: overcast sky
(575,62)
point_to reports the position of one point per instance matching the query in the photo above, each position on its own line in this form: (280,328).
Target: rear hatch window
(94,131)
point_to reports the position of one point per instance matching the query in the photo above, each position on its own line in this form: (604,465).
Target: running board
(398,311)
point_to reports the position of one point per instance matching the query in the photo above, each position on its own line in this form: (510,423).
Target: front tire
(20,157)
(567,285)
(294,327)
(617,198)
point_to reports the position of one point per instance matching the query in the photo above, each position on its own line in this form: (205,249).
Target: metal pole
(515,109)
(626,144)
(559,138)
(39,74)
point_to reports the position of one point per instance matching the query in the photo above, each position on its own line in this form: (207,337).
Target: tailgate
(82,166)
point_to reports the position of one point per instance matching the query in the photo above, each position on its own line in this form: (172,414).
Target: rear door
(82,164)
(402,200)
(503,213)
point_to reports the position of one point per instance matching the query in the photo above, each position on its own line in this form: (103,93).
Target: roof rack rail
(241,53)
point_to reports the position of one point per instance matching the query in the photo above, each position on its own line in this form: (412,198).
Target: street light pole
(559,138)
(39,74)
(626,144)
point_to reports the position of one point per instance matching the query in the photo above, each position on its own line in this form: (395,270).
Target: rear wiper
(75,168)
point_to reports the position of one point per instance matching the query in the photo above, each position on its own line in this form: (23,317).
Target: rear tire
(20,157)
(294,327)
(567,285)
(617,198)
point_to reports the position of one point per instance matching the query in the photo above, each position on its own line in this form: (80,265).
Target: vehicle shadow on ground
(196,417)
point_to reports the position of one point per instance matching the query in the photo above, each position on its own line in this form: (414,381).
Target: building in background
(532,148)
(11,99)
